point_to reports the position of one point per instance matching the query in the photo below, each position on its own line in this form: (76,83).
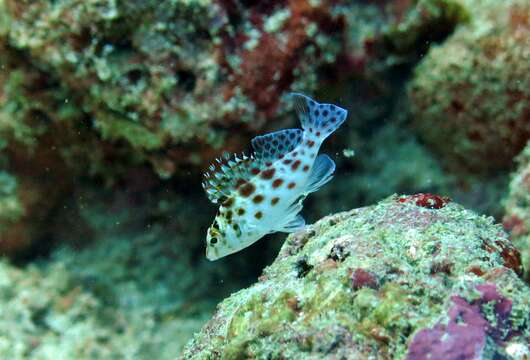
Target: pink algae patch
(464,336)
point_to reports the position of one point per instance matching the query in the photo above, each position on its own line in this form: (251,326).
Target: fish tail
(319,120)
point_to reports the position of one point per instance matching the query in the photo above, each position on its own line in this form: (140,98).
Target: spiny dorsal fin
(226,174)
(273,146)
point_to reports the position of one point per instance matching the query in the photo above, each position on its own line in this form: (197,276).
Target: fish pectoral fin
(295,224)
(322,172)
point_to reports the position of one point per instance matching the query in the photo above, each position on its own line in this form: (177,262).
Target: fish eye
(213,241)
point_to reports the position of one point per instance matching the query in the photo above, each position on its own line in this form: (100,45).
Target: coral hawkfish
(263,193)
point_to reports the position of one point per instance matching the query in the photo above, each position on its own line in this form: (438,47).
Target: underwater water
(111,112)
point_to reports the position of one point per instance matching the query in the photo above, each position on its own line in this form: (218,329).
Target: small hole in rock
(134,76)
(186,80)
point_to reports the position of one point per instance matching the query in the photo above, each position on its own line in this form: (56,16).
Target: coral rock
(318,300)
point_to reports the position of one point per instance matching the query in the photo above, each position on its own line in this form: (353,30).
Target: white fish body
(263,193)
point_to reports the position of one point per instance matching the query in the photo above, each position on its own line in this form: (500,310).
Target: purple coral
(464,336)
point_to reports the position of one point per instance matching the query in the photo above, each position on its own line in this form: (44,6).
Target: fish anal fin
(292,220)
(322,172)
(294,224)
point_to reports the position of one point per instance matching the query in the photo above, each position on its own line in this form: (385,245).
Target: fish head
(225,238)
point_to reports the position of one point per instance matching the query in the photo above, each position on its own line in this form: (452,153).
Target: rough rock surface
(394,280)
(470,96)
(517,205)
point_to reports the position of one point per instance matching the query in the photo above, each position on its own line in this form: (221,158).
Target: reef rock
(413,277)
(517,205)
(170,81)
(470,96)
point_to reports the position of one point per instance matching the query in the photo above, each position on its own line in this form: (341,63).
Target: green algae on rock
(470,95)
(376,282)
(517,207)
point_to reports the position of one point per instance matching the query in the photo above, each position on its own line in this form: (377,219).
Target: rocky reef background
(111,110)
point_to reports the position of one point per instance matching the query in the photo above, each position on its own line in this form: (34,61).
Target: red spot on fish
(240,182)
(295,165)
(277,183)
(254,171)
(257,199)
(281,156)
(287,161)
(268,163)
(258,215)
(291,185)
(229,202)
(318,133)
(268,174)
(247,189)
(310,143)
(306,168)
(274,200)
(240,211)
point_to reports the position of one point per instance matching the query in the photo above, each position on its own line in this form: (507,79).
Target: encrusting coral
(384,281)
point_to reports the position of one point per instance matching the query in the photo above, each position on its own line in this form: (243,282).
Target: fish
(263,192)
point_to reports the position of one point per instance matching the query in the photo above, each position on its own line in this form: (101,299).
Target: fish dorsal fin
(273,146)
(226,174)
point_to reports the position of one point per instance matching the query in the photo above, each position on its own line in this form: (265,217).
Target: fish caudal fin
(318,119)
(322,173)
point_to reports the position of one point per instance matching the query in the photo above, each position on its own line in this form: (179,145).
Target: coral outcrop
(470,96)
(408,277)
(517,205)
(100,88)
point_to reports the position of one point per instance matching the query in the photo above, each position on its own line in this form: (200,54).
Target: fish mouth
(211,256)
